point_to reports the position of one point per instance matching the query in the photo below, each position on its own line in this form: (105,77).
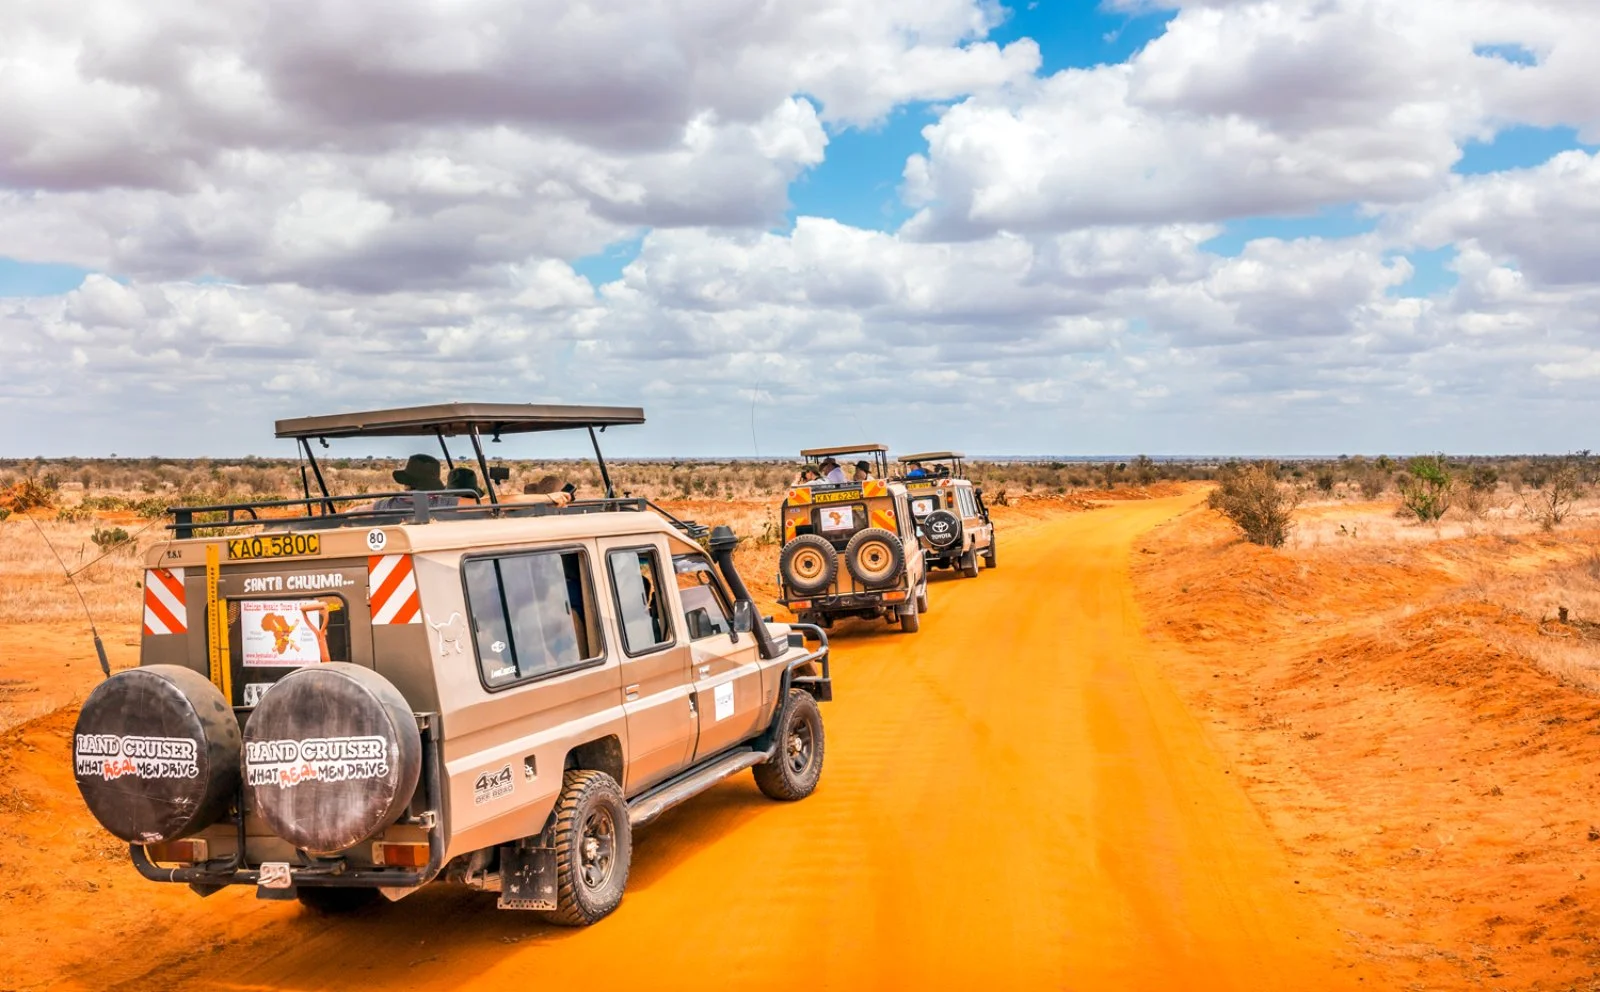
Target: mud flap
(527,878)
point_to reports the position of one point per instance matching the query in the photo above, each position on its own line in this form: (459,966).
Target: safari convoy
(347,695)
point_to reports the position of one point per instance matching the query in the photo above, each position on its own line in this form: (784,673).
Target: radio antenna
(99,648)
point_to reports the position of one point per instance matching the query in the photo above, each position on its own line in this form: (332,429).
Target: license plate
(274,546)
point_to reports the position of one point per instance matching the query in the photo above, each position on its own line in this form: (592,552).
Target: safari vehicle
(868,525)
(952,522)
(336,700)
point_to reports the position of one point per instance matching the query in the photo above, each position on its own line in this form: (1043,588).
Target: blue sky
(1186,246)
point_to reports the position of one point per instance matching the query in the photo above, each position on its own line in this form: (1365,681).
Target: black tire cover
(332,755)
(942,528)
(872,535)
(156,753)
(822,547)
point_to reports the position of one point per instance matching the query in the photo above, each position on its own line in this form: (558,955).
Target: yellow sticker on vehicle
(274,546)
(843,496)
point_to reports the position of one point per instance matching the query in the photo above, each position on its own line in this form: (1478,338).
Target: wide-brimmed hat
(829,462)
(421,474)
(463,478)
(864,465)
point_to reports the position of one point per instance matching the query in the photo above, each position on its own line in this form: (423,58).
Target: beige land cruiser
(342,695)
(953,525)
(866,524)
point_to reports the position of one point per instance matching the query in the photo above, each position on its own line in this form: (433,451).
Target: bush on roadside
(1250,496)
(1426,488)
(107,538)
(1550,504)
(28,494)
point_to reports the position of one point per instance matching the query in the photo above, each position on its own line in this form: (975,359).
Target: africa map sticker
(838,517)
(283,633)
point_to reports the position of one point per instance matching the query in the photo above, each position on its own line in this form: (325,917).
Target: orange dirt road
(1013,798)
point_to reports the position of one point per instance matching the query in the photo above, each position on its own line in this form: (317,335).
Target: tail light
(178,852)
(390,854)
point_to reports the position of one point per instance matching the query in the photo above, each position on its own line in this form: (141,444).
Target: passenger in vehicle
(808,475)
(421,475)
(863,471)
(831,472)
(917,471)
(464,478)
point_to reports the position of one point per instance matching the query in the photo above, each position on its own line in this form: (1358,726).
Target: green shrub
(1251,497)
(107,538)
(1426,488)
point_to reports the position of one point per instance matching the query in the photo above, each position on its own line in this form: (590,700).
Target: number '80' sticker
(376,539)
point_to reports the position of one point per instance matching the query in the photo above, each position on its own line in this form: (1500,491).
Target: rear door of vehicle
(729,694)
(658,691)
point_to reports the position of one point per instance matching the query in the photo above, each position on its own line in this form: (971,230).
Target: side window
(705,609)
(641,600)
(531,615)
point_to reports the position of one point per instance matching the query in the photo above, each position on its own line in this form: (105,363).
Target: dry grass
(34,588)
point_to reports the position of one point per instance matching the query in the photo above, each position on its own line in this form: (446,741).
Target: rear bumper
(333,872)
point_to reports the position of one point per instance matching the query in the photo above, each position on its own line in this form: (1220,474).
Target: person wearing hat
(421,475)
(464,478)
(831,472)
(863,471)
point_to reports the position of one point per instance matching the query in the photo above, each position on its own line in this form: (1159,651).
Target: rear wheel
(990,556)
(969,565)
(910,622)
(922,601)
(594,848)
(796,764)
(336,902)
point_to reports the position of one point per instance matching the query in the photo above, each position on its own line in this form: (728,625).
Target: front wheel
(594,848)
(796,763)
(922,601)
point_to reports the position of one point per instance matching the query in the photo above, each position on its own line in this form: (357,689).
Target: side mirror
(700,625)
(744,616)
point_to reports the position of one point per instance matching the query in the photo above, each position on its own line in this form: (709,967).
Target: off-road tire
(329,901)
(946,523)
(910,621)
(804,547)
(922,601)
(969,565)
(779,778)
(584,796)
(990,555)
(875,545)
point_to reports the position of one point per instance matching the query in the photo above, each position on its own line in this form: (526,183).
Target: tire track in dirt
(1013,797)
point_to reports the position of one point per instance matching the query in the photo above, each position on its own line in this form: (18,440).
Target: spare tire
(875,556)
(943,528)
(156,753)
(331,756)
(808,564)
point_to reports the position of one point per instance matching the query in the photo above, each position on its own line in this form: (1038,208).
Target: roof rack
(421,511)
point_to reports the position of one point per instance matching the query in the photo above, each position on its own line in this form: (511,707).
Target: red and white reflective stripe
(165,609)
(392,590)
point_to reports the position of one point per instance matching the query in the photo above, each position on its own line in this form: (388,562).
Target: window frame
(472,626)
(723,597)
(616,602)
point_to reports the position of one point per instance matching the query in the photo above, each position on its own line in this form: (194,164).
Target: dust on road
(1014,796)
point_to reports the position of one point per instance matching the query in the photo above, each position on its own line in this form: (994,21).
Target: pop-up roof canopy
(451,419)
(932,456)
(842,449)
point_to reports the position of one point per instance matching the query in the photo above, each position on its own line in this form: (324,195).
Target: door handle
(632,691)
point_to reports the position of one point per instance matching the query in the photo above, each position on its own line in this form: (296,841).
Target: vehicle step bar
(690,784)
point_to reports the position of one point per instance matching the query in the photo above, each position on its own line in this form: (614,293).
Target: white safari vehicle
(341,695)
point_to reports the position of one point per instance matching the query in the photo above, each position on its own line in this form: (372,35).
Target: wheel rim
(597,849)
(799,748)
(875,560)
(809,565)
